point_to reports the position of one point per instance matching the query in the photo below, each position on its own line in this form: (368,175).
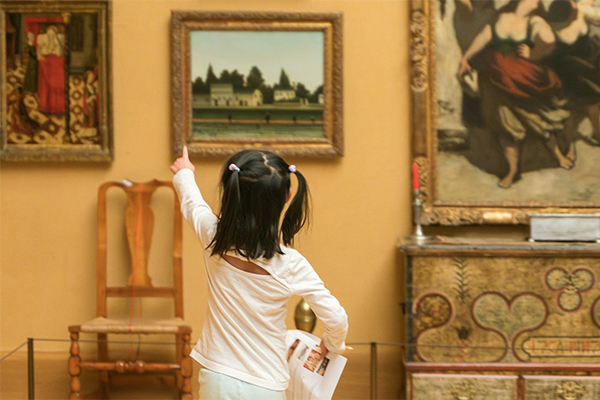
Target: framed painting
(55,81)
(506,106)
(257,79)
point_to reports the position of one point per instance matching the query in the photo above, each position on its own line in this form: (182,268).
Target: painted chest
(502,320)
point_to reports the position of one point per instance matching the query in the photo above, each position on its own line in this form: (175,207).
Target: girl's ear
(289,196)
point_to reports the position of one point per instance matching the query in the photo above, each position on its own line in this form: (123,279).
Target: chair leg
(74,367)
(178,358)
(186,368)
(103,356)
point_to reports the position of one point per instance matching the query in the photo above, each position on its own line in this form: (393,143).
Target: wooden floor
(52,380)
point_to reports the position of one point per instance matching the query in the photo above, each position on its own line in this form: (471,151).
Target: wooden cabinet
(517,319)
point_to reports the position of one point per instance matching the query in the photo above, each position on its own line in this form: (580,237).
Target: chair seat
(106,325)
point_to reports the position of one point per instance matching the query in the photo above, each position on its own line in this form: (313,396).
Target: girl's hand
(182,162)
(324,350)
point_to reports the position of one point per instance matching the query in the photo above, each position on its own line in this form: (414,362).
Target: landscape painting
(55,81)
(253,92)
(269,80)
(506,117)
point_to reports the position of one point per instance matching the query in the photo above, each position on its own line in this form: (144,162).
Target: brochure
(312,376)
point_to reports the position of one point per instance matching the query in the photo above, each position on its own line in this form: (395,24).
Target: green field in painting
(256,130)
(259,113)
(257,122)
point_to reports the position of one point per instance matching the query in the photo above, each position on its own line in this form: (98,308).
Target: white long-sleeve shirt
(244,330)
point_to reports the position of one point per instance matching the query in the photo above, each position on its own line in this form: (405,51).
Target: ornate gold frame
(183,22)
(103,150)
(425,143)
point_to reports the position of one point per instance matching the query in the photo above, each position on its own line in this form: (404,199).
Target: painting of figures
(53,82)
(515,98)
(258,78)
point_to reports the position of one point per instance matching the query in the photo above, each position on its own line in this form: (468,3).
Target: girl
(251,275)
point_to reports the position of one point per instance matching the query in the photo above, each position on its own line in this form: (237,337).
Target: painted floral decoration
(570,390)
(569,286)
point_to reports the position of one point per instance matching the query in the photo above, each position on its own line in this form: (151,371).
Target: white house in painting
(283,94)
(248,97)
(221,94)
(224,95)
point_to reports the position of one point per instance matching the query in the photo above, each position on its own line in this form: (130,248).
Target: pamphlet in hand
(312,376)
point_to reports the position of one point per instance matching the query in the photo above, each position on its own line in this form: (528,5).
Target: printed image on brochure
(312,376)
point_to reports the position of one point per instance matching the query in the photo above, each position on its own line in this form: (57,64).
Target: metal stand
(418,236)
(30,370)
(373,371)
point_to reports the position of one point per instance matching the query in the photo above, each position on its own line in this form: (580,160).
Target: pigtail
(226,234)
(297,214)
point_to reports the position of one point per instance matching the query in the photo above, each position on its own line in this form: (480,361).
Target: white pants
(215,386)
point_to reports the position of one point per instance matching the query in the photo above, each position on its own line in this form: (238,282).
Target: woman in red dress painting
(518,96)
(51,71)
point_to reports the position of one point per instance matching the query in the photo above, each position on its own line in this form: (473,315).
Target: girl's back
(251,274)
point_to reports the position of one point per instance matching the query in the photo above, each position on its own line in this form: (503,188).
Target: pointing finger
(185,153)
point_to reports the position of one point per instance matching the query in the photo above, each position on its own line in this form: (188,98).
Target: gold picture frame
(465,165)
(56,81)
(257,79)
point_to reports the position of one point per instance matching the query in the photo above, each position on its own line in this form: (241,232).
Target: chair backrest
(139,227)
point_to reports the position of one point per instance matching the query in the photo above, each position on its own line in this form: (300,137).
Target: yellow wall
(361,201)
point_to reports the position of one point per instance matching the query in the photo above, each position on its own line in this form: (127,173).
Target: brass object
(304,317)
(570,390)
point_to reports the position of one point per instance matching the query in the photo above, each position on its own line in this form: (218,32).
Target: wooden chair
(139,224)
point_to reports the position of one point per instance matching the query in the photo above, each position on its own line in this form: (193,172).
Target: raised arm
(182,162)
(481,40)
(193,207)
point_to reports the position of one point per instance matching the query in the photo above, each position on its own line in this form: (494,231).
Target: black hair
(511,6)
(253,196)
(560,11)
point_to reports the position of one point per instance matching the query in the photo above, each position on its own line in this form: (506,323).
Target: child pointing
(252,274)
